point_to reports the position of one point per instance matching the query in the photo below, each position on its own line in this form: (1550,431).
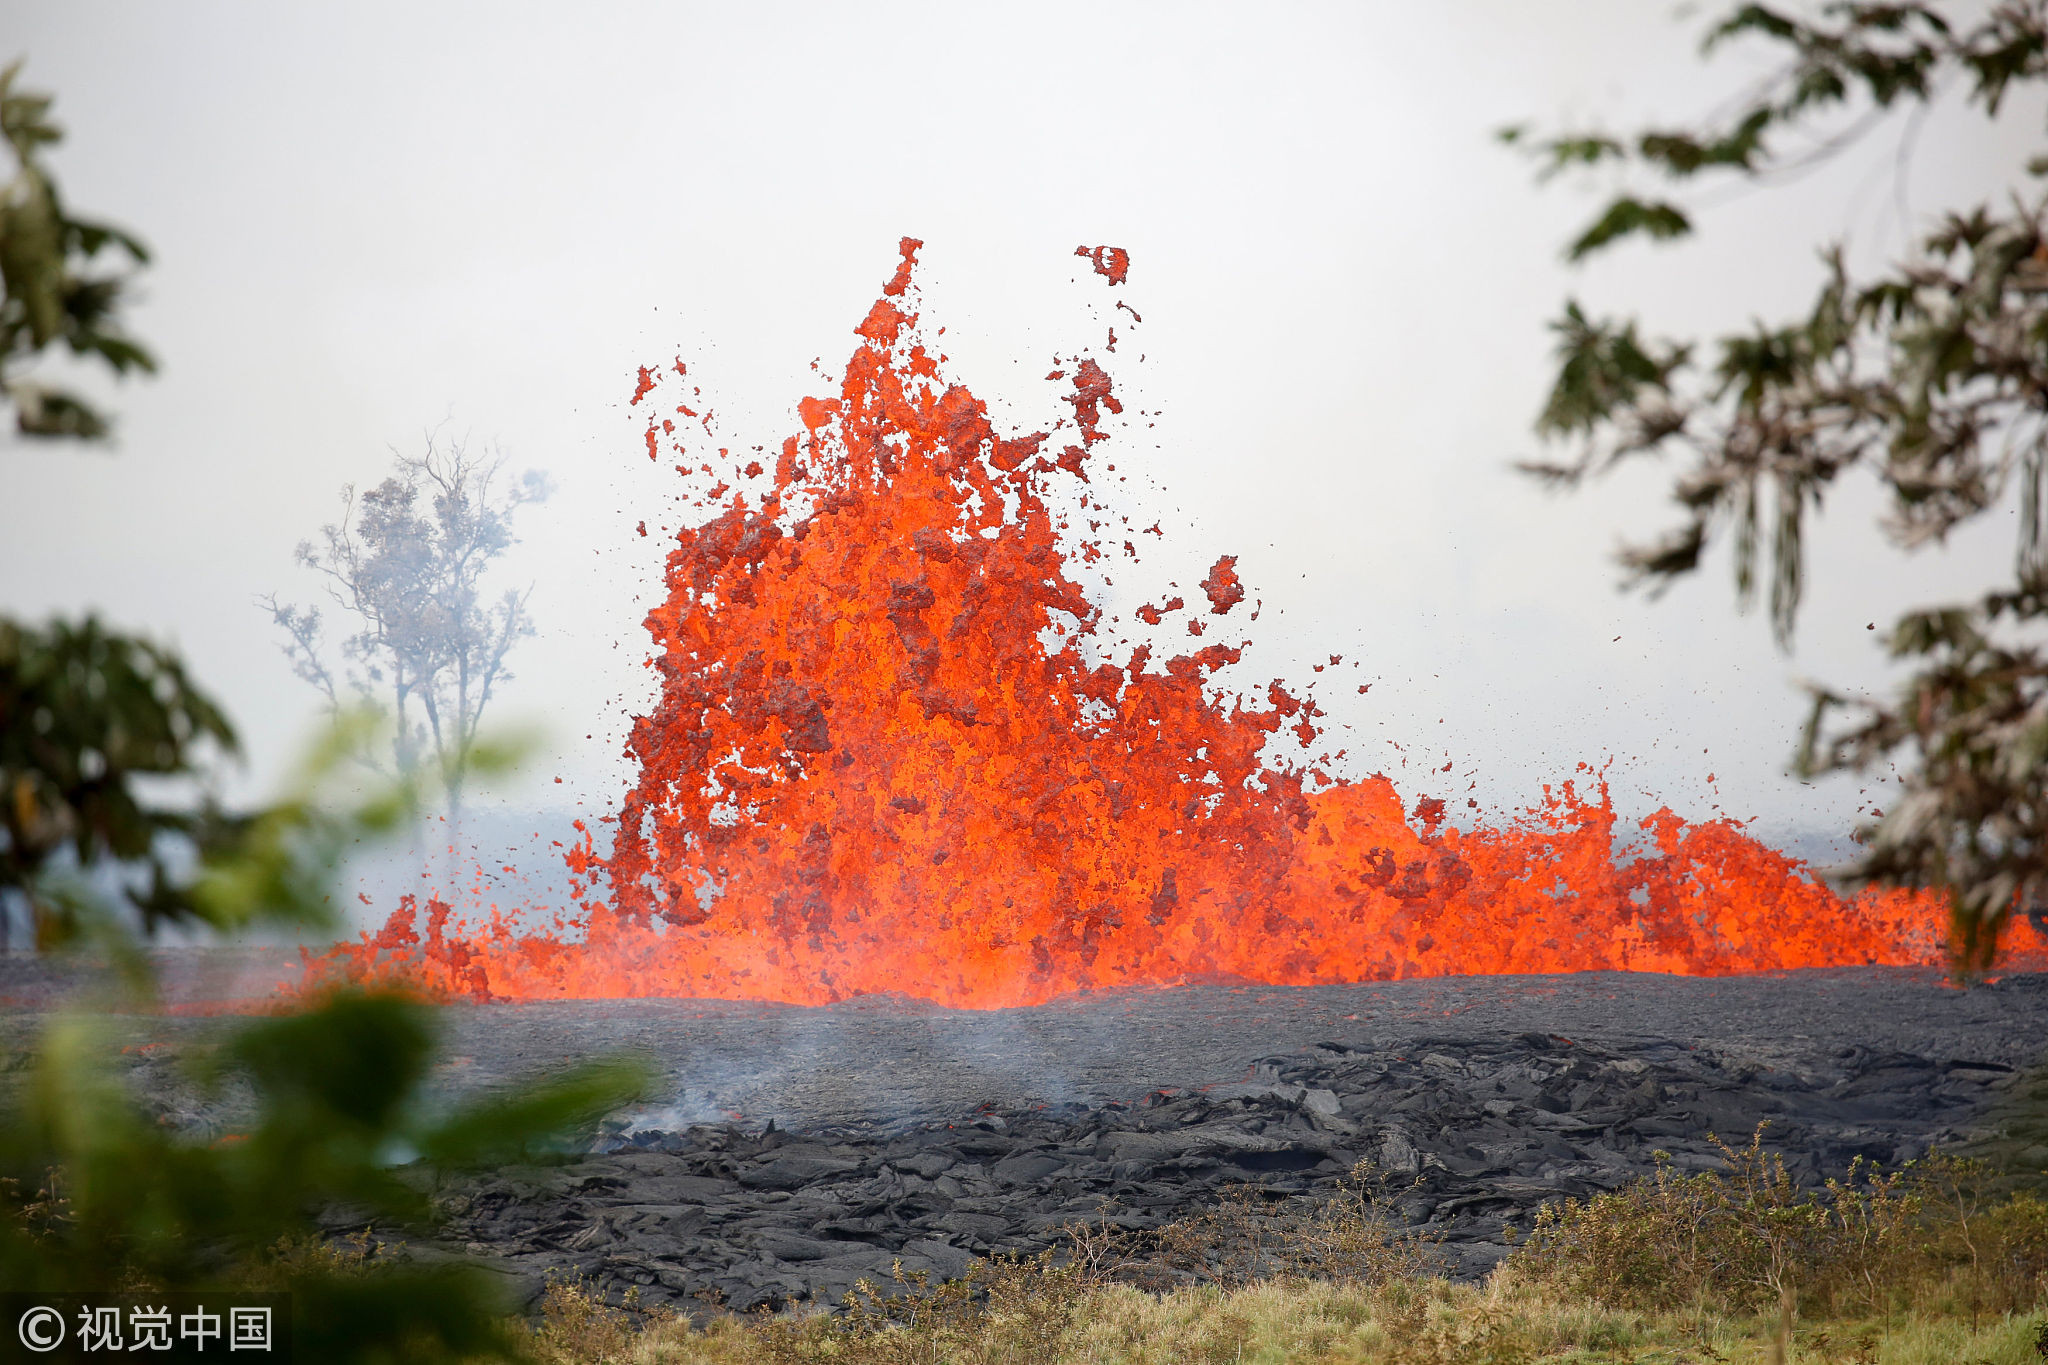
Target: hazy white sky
(371,220)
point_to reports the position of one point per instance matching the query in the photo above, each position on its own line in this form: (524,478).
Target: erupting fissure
(890,754)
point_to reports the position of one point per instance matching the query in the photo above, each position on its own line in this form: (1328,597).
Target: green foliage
(118,1201)
(1932,376)
(1628,215)
(52,295)
(1878,56)
(1604,369)
(88,719)
(1970,816)
(105,824)
(94,1194)
(278,866)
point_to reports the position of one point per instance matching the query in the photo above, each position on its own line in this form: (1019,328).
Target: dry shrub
(1483,1335)
(1713,1237)
(1242,1240)
(40,1213)
(348,1255)
(1251,1235)
(1748,1238)
(1423,1321)
(2012,1265)
(578,1327)
(1358,1237)
(1005,1309)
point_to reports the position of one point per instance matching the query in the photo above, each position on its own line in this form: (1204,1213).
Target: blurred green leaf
(1627,217)
(515,1127)
(49,296)
(88,718)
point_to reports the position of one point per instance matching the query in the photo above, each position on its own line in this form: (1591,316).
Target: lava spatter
(892,752)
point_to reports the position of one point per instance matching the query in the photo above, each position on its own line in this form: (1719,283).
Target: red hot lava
(889,755)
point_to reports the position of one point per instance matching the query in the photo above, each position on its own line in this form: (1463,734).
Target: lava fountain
(895,751)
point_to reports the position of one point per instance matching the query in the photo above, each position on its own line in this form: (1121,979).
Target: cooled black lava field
(796,1150)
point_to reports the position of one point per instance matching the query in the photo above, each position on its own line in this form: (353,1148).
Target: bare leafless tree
(406,562)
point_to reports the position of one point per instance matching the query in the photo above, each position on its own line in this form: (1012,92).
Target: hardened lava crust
(791,1151)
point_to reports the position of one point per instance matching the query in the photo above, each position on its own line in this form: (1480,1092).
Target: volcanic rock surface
(797,1150)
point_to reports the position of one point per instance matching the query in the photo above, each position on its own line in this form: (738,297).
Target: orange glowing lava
(892,753)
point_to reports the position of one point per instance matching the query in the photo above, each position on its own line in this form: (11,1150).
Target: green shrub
(96,1195)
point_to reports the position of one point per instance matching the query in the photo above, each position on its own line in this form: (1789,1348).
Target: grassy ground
(1418,1323)
(1940,1263)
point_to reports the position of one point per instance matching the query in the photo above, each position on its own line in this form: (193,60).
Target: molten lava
(892,753)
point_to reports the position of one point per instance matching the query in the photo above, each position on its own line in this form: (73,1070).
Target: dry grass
(1425,1322)
(1914,1267)
(1351,1236)
(578,1325)
(1747,1239)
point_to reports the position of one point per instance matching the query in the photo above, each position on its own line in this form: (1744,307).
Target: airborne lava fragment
(891,754)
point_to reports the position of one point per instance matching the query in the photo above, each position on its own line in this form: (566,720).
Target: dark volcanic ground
(904,1131)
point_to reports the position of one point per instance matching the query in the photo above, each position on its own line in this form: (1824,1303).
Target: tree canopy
(1930,375)
(89,718)
(86,717)
(56,290)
